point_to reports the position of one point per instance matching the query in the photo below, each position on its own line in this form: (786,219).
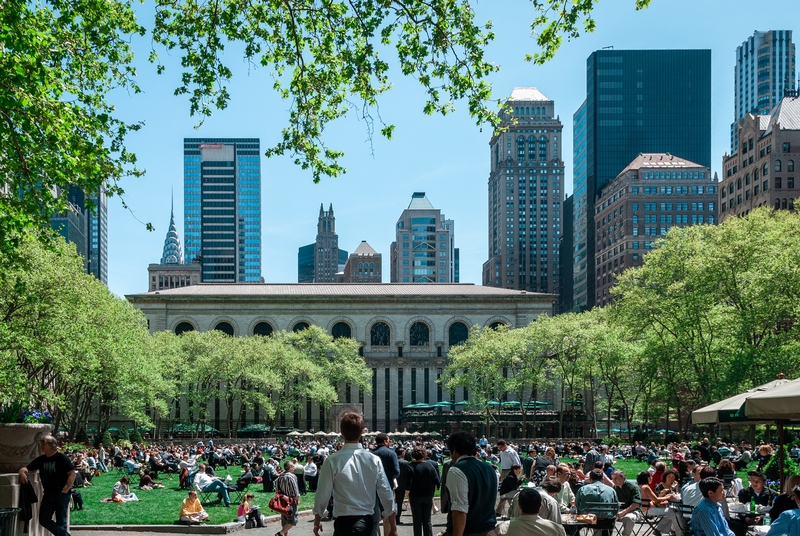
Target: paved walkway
(305,527)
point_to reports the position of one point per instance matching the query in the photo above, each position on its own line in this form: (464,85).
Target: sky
(445,157)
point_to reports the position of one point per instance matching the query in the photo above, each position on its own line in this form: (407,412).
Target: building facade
(305,263)
(363,265)
(762,171)
(72,224)
(171,272)
(765,68)
(405,332)
(653,194)
(222,208)
(423,251)
(326,252)
(637,101)
(526,188)
(97,237)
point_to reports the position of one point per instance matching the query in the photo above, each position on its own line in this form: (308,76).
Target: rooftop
(364,249)
(786,114)
(420,202)
(340,289)
(659,161)
(528,94)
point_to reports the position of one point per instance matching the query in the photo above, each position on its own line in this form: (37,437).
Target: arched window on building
(263,329)
(457,333)
(183,327)
(300,326)
(224,327)
(419,334)
(790,165)
(341,329)
(777,165)
(379,334)
(497,324)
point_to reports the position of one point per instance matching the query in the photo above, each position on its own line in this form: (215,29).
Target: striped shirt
(287,484)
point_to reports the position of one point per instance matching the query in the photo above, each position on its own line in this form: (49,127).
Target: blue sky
(446,157)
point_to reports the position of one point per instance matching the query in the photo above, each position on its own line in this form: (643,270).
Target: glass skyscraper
(97,236)
(765,67)
(637,101)
(222,208)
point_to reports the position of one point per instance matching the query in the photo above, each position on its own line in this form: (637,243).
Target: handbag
(280,503)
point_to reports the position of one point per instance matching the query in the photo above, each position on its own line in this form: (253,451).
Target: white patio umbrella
(730,409)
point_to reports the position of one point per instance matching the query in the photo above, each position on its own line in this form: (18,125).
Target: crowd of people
(487,488)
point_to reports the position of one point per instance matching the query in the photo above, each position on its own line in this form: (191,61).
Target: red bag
(280,503)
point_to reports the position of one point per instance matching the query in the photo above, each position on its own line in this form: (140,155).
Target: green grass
(159,506)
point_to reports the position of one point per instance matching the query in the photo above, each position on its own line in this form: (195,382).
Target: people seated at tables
(550,508)
(741,458)
(785,501)
(529,523)
(661,468)
(630,500)
(191,509)
(669,487)
(205,482)
(656,504)
(596,492)
(690,492)
(764,456)
(788,523)
(247,512)
(565,497)
(757,490)
(508,488)
(707,516)
(122,491)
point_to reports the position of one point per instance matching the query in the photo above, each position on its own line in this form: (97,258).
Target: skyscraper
(321,261)
(423,251)
(637,101)
(326,252)
(526,181)
(765,67)
(72,223)
(171,272)
(97,237)
(222,208)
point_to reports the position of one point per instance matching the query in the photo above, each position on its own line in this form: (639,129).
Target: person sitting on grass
(249,513)
(122,491)
(191,509)
(147,483)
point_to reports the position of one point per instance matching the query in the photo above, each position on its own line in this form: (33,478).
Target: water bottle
(573,513)
(767,519)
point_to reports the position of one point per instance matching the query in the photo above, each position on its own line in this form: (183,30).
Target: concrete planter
(19,444)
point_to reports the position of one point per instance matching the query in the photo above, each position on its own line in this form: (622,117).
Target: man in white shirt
(310,471)
(355,477)
(508,457)
(530,523)
(204,482)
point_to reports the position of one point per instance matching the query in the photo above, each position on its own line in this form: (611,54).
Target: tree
(531,369)
(61,61)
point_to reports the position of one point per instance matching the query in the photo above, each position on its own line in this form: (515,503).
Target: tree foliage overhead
(60,60)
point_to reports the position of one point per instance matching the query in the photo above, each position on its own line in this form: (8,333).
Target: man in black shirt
(57,475)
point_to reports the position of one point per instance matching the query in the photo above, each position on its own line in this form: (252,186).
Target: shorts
(291,519)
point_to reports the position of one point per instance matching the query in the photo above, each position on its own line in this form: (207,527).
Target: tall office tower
(97,237)
(305,263)
(765,67)
(651,195)
(326,252)
(637,101)
(72,223)
(222,208)
(363,265)
(423,251)
(525,191)
(171,272)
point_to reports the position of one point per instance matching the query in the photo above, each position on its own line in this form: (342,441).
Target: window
(787,147)
(225,328)
(419,334)
(790,165)
(341,329)
(790,182)
(300,326)
(777,183)
(379,334)
(183,327)
(263,329)
(765,170)
(777,165)
(458,333)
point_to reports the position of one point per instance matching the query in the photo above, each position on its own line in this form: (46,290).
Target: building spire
(172,243)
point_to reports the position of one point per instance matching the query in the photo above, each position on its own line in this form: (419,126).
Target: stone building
(363,265)
(651,195)
(405,331)
(762,171)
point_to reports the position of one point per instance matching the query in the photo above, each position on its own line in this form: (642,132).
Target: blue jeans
(221,489)
(58,504)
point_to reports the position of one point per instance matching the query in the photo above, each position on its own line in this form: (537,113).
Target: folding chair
(238,494)
(683,513)
(647,521)
(606,517)
(727,482)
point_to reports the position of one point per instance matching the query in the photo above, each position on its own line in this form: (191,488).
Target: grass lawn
(160,506)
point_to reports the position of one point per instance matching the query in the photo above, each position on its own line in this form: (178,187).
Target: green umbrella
(254,428)
(419,405)
(444,404)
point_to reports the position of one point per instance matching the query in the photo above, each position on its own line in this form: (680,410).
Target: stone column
(9,498)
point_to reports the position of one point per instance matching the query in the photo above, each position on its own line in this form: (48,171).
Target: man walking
(57,475)
(472,486)
(391,467)
(287,485)
(356,477)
